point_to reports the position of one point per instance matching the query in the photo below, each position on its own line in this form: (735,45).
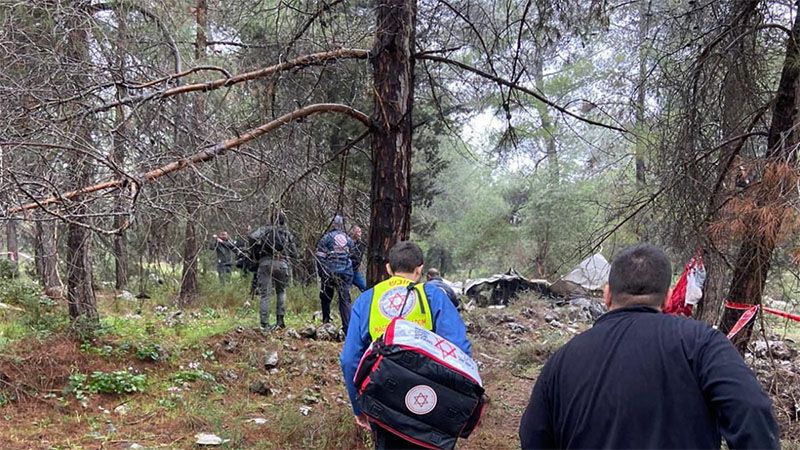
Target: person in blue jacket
(371,313)
(335,270)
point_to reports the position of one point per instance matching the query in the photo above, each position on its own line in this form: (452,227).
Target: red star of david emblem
(446,348)
(396,301)
(421,400)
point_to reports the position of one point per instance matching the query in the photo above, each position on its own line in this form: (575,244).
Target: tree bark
(47,255)
(191,247)
(736,106)
(641,94)
(118,155)
(12,243)
(80,288)
(753,263)
(393,78)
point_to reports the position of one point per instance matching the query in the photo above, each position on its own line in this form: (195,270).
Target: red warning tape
(777,312)
(744,320)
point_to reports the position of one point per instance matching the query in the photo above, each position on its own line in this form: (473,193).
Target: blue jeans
(359,281)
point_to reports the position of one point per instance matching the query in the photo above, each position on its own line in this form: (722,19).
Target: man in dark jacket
(274,248)
(643,379)
(226,256)
(434,278)
(335,270)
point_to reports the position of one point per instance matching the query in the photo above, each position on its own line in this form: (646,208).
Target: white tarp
(591,273)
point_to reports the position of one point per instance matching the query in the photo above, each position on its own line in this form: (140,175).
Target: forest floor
(203,371)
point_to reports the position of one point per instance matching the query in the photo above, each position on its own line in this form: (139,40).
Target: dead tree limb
(302,61)
(203,155)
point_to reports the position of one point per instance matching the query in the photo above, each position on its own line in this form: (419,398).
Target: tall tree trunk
(47,255)
(80,288)
(641,93)
(191,247)
(12,243)
(118,155)
(393,77)
(753,263)
(736,109)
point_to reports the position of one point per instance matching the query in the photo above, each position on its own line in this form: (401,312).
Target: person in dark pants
(356,256)
(275,247)
(435,279)
(374,310)
(226,255)
(643,379)
(335,270)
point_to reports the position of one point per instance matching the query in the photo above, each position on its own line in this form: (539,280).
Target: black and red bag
(420,386)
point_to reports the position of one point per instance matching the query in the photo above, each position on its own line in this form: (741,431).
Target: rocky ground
(214,381)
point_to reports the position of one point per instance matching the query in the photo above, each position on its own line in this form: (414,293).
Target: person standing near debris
(359,248)
(273,247)
(435,279)
(643,379)
(335,270)
(375,308)
(226,256)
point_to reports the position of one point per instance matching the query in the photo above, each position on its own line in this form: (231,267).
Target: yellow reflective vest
(388,297)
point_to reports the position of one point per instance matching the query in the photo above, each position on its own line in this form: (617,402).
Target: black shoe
(280,324)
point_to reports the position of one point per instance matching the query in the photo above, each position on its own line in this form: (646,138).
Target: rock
(551,316)
(271,360)
(500,319)
(257,420)
(273,371)
(327,332)
(496,306)
(309,332)
(230,345)
(209,439)
(135,446)
(304,410)
(529,313)
(556,324)
(517,328)
(317,316)
(292,333)
(492,336)
(229,375)
(127,296)
(310,400)
(260,388)
(121,410)
(779,349)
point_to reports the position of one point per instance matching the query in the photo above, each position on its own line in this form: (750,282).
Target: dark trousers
(385,439)
(359,281)
(338,282)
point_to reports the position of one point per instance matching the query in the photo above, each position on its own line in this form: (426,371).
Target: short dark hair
(434,273)
(640,274)
(405,256)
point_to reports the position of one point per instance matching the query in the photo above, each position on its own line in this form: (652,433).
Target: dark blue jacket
(642,379)
(333,253)
(447,323)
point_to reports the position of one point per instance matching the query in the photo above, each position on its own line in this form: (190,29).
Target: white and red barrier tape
(750,312)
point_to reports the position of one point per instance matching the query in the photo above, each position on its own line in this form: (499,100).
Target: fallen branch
(201,156)
(306,60)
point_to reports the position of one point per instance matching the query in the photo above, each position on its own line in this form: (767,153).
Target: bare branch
(517,87)
(204,155)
